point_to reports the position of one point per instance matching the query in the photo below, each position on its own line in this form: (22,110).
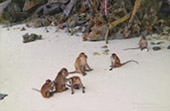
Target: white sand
(143,87)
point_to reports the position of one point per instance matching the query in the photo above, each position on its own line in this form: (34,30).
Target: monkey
(115,61)
(142,44)
(61,81)
(47,89)
(81,64)
(75,83)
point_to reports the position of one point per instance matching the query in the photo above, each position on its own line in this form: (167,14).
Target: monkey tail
(36,90)
(129,61)
(73,72)
(132,48)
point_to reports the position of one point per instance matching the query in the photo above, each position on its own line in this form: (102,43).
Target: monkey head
(113,55)
(83,57)
(64,72)
(50,83)
(82,54)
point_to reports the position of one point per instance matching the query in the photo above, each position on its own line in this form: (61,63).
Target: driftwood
(69,7)
(135,9)
(114,24)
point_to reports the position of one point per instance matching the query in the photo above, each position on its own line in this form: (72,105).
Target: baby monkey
(115,61)
(142,44)
(75,83)
(81,64)
(47,89)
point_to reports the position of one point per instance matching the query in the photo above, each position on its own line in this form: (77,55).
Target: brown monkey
(142,44)
(75,83)
(115,61)
(81,64)
(47,89)
(61,81)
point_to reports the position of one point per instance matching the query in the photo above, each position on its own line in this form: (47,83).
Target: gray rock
(2,96)
(152,43)
(168,47)
(31,37)
(106,50)
(156,48)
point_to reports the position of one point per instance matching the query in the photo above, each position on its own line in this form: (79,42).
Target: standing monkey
(75,83)
(81,64)
(115,61)
(61,81)
(143,44)
(47,89)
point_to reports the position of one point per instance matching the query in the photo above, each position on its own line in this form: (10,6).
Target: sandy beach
(132,87)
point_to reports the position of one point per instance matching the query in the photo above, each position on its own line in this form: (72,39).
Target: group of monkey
(81,66)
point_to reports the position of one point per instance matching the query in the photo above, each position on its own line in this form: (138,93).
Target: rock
(161,42)
(156,36)
(97,33)
(156,48)
(50,9)
(31,5)
(106,50)
(105,46)
(152,43)
(38,22)
(46,29)
(2,96)
(168,47)
(12,13)
(31,37)
(23,29)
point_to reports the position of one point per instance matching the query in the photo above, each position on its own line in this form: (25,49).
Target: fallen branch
(114,24)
